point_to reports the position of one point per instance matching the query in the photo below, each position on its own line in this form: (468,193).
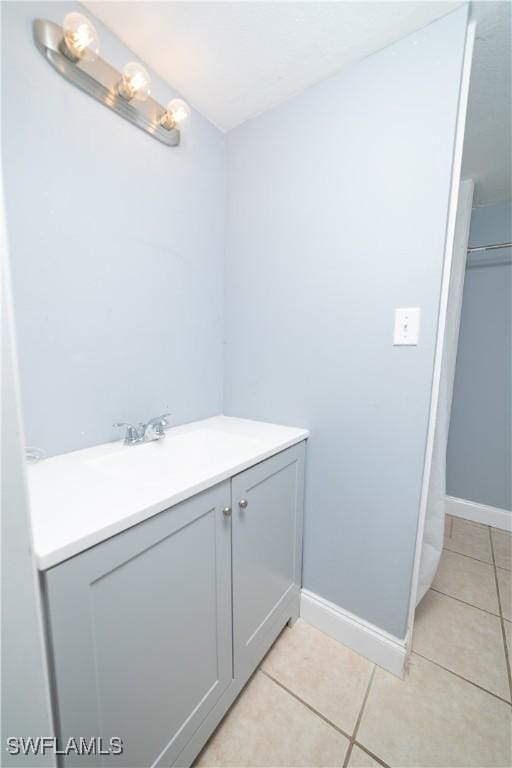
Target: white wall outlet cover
(407,326)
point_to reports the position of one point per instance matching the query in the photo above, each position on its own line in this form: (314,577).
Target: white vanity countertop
(84,497)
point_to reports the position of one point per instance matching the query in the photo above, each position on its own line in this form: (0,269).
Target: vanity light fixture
(73,50)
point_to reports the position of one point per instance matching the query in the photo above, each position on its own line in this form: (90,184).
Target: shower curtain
(433,534)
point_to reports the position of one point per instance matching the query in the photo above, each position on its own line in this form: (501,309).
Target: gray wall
(479,462)
(117,246)
(337,208)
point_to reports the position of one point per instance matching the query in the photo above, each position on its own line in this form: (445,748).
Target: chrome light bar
(101,81)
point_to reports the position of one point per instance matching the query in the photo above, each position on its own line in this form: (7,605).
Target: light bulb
(81,41)
(177,110)
(136,83)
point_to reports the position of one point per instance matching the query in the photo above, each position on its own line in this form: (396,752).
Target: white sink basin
(175,457)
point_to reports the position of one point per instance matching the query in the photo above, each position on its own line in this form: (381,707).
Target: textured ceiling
(488,139)
(234,60)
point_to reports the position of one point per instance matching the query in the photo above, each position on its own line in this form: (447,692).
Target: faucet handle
(154,429)
(132,432)
(161,420)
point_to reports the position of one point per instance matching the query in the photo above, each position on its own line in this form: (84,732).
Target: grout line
(461,677)
(478,560)
(503,633)
(470,605)
(371,754)
(305,703)
(359,717)
(365,699)
(470,522)
(351,739)
(465,602)
(462,554)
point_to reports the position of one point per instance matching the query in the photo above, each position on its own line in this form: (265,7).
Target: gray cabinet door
(141,632)
(267,553)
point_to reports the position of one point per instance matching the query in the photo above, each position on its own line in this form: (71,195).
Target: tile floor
(314,702)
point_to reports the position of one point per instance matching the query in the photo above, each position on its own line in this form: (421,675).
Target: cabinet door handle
(243,503)
(226,511)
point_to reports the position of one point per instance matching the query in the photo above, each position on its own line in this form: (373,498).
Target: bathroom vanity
(167,571)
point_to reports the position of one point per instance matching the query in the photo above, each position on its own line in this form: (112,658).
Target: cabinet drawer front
(267,551)
(141,632)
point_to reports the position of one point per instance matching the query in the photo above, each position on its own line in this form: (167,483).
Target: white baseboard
(366,639)
(479,513)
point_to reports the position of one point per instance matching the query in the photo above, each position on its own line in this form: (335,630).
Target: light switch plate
(407,326)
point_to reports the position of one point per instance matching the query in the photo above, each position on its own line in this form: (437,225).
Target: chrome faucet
(154,429)
(133,434)
(144,433)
